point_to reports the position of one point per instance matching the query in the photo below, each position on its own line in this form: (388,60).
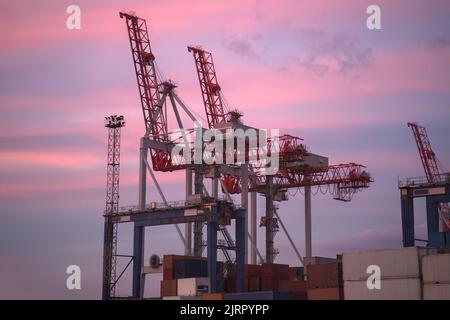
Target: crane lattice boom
(430,165)
(209,86)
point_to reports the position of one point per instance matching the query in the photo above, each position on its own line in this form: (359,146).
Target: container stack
(325,281)
(185,277)
(436,277)
(265,277)
(272,274)
(400,274)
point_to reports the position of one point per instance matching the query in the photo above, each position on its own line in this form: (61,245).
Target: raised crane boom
(347,178)
(207,77)
(427,155)
(144,64)
(430,165)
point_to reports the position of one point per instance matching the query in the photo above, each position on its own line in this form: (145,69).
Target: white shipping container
(181,298)
(318,260)
(191,286)
(391,289)
(393,263)
(436,268)
(436,291)
(172,298)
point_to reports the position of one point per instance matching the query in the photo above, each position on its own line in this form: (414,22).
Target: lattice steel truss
(114,125)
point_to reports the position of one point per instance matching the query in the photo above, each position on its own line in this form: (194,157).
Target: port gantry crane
(431,168)
(434,187)
(156,96)
(298,167)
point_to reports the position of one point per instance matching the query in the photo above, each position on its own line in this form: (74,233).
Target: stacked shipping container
(400,274)
(186,275)
(325,281)
(436,277)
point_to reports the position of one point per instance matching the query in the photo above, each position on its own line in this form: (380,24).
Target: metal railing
(417,181)
(170,204)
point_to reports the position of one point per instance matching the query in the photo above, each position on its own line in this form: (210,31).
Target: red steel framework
(430,166)
(347,178)
(427,155)
(209,86)
(149,87)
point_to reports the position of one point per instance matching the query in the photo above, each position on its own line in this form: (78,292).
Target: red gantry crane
(346,179)
(431,168)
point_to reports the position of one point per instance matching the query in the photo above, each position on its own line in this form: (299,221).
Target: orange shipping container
(292,285)
(270,283)
(328,275)
(168,288)
(293,273)
(300,295)
(253,284)
(212,296)
(167,274)
(273,269)
(230,284)
(325,294)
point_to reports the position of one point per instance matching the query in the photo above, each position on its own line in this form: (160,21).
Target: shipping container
(436,268)
(212,296)
(262,295)
(168,274)
(230,284)
(391,289)
(393,263)
(299,295)
(169,260)
(181,298)
(274,269)
(436,291)
(192,286)
(292,285)
(317,260)
(294,273)
(254,284)
(190,269)
(325,294)
(327,275)
(271,283)
(251,270)
(168,288)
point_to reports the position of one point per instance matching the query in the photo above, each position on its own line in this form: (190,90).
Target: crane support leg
(138,260)
(244,200)
(241,223)
(308,222)
(253,234)
(434,236)
(212,252)
(407,205)
(269,221)
(188,226)
(198,226)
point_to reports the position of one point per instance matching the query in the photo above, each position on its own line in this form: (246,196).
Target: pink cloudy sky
(312,70)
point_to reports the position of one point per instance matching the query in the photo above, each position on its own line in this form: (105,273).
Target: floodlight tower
(114,124)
